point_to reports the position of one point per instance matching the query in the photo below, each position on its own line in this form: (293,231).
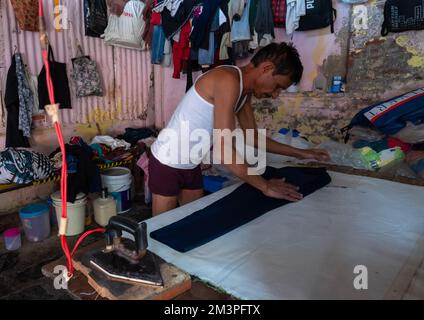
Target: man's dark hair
(284,56)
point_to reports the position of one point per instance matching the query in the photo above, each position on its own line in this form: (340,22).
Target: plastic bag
(116,7)
(343,154)
(411,133)
(95,17)
(86,76)
(364,133)
(127,30)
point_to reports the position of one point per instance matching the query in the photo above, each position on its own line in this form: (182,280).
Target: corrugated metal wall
(126,73)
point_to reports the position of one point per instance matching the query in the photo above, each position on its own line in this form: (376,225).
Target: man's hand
(315,154)
(277,188)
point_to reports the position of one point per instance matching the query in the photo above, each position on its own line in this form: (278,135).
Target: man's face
(269,85)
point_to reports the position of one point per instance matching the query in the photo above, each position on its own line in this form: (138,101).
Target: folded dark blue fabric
(236,209)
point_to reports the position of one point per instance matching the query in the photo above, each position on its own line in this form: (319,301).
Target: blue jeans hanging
(158,44)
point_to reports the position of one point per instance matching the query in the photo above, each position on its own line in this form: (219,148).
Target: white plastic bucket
(76,213)
(118,182)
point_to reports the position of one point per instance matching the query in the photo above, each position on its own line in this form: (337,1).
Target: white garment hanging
(295,9)
(171,5)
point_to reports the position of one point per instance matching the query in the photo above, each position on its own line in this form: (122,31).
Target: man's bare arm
(225,97)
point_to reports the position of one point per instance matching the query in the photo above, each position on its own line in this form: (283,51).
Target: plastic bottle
(104,208)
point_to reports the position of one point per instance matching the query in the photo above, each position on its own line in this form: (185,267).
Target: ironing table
(313,249)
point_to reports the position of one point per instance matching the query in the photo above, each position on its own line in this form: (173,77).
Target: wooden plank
(176,281)
(175,284)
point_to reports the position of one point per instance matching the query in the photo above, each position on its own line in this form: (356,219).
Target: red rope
(64,171)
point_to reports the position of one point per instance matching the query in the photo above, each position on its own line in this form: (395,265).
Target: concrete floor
(24,280)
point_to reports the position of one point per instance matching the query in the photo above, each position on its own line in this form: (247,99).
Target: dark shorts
(167,181)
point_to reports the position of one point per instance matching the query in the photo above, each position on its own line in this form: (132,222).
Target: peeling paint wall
(320,50)
(377,68)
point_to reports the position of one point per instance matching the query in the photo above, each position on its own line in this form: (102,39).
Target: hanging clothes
(167,54)
(252,15)
(172,24)
(235,9)
(202,24)
(158,44)
(240,30)
(148,29)
(181,50)
(26,98)
(33,85)
(207,56)
(171,5)
(264,24)
(295,9)
(14,136)
(279,13)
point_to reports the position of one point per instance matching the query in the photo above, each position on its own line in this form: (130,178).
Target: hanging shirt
(181,50)
(202,24)
(240,30)
(172,24)
(295,9)
(236,9)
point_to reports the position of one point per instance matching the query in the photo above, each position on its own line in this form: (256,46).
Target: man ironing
(214,102)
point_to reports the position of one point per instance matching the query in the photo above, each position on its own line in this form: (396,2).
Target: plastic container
(213,183)
(104,208)
(76,213)
(12,239)
(36,221)
(118,181)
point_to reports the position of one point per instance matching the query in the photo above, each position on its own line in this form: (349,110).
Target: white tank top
(180,145)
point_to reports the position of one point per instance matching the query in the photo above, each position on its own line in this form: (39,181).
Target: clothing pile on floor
(391,132)
(24,166)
